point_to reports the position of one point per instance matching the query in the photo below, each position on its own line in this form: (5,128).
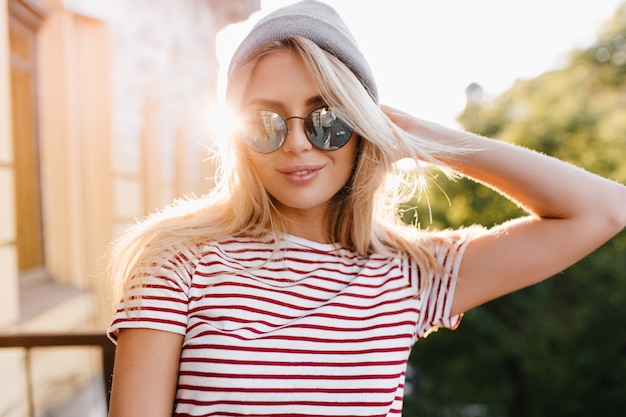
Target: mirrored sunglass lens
(326,131)
(263,131)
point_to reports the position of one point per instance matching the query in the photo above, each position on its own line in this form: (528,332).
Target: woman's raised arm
(571,213)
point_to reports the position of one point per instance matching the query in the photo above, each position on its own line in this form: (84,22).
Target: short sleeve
(160,302)
(437,292)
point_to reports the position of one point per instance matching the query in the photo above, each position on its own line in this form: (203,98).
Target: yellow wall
(10,359)
(75,138)
(91,187)
(8,254)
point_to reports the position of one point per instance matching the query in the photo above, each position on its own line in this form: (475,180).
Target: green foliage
(557,348)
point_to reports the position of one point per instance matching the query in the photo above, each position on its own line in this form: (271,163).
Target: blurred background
(107,111)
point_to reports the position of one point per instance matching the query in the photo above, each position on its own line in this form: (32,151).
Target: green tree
(557,348)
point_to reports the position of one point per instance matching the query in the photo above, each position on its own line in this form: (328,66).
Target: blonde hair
(362,217)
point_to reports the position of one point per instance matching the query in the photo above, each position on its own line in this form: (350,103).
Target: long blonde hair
(363,216)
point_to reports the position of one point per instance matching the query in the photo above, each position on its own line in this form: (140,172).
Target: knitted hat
(312,20)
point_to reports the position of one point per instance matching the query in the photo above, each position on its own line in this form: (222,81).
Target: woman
(292,289)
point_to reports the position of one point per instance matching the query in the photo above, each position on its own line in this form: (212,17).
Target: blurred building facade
(103,118)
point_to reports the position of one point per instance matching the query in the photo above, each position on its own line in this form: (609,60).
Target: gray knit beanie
(312,20)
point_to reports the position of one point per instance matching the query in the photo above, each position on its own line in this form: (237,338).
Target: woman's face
(301,178)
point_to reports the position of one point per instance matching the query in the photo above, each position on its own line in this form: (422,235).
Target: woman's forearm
(543,185)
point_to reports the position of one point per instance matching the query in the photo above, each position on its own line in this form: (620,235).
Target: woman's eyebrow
(264,102)
(277,104)
(314,100)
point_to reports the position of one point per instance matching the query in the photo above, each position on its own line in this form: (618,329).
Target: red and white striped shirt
(308,330)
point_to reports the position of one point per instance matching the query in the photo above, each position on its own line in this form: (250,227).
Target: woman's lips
(302,174)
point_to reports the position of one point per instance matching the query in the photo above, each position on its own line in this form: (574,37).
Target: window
(23,25)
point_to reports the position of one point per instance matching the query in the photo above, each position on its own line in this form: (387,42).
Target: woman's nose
(296,139)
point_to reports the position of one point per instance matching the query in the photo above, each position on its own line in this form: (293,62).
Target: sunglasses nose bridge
(294,117)
(296,139)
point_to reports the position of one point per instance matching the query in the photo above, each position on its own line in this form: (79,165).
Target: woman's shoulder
(429,250)
(446,237)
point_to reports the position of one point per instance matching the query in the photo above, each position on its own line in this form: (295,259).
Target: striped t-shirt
(305,330)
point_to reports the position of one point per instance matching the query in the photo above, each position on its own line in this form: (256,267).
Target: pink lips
(301,174)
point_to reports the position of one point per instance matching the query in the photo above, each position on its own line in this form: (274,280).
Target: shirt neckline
(312,244)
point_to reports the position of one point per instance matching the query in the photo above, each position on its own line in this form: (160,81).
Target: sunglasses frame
(337,127)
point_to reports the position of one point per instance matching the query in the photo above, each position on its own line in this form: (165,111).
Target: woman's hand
(445,144)
(422,127)
(401,119)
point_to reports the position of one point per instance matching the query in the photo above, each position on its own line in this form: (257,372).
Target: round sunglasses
(265,131)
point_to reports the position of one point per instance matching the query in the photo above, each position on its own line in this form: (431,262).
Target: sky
(424,53)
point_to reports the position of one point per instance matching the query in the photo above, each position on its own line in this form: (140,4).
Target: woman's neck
(308,224)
